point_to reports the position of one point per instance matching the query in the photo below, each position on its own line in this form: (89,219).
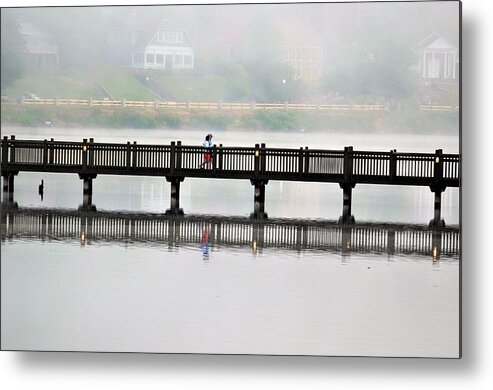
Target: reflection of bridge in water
(215,232)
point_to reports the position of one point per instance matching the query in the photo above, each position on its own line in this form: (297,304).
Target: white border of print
(126,371)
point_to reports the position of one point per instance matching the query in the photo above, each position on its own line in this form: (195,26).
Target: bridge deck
(251,163)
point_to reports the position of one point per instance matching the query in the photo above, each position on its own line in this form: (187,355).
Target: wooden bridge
(210,232)
(258,164)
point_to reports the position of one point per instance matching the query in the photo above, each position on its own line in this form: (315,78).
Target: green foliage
(379,68)
(279,120)
(192,86)
(211,121)
(79,84)
(415,122)
(238,86)
(171,120)
(12,56)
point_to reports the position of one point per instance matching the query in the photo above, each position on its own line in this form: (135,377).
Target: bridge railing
(252,162)
(415,165)
(451,166)
(323,162)
(106,155)
(370,163)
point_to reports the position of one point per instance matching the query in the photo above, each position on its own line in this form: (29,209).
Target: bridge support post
(347,217)
(175,196)
(437,222)
(259,199)
(8,189)
(87,192)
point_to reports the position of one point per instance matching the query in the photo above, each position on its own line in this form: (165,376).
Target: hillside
(192,86)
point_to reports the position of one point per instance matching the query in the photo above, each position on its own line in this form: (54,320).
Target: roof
(294,32)
(298,32)
(434,41)
(146,28)
(26,28)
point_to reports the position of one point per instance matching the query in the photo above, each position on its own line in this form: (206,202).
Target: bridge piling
(175,196)
(347,186)
(347,217)
(437,222)
(87,192)
(437,188)
(259,199)
(8,189)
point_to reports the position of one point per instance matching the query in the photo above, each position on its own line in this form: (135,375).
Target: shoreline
(391,122)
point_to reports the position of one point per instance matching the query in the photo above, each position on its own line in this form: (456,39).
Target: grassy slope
(79,84)
(188,86)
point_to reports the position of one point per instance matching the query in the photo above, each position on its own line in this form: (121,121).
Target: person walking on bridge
(207,150)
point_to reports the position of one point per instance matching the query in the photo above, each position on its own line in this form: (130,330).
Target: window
(178,60)
(160,59)
(292,54)
(188,61)
(150,58)
(170,36)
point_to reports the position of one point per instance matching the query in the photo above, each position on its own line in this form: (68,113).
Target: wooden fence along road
(209,232)
(258,164)
(157,104)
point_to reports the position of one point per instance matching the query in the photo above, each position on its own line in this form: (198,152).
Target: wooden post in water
(347,187)
(8,189)
(87,192)
(175,196)
(5,195)
(437,188)
(347,217)
(10,180)
(259,199)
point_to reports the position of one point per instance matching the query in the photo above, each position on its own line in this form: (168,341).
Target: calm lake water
(62,292)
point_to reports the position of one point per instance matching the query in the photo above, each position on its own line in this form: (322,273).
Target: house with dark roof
(302,49)
(294,41)
(438,59)
(143,44)
(40,49)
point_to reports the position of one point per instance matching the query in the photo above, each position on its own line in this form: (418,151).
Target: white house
(139,45)
(40,49)
(438,59)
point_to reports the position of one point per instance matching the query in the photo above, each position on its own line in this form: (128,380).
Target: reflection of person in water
(205,244)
